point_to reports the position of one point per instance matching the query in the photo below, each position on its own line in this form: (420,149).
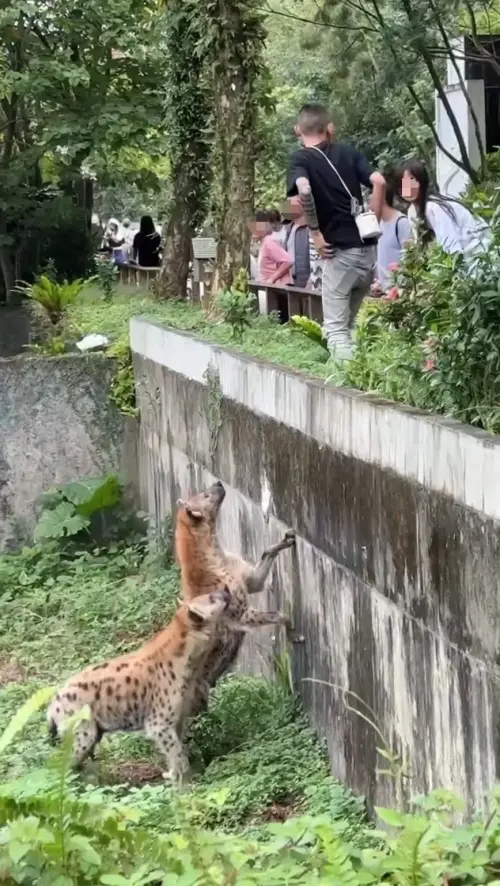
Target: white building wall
(451,179)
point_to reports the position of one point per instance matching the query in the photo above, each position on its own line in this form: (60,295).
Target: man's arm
(298,183)
(373,180)
(307,203)
(308,207)
(377,181)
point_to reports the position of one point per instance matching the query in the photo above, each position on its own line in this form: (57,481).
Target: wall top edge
(140,345)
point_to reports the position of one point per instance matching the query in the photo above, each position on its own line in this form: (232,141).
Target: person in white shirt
(443,219)
(128,236)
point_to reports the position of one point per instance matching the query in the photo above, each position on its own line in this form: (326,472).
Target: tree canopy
(134,104)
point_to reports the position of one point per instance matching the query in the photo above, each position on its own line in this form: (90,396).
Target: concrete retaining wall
(395,581)
(57,424)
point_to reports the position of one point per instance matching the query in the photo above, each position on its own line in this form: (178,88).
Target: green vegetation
(237,308)
(68,511)
(263,807)
(264,338)
(434,340)
(255,759)
(311,329)
(51,297)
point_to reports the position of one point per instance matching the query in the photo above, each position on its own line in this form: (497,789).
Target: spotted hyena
(204,565)
(147,690)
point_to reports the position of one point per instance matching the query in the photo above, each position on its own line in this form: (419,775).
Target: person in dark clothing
(328,177)
(297,243)
(147,243)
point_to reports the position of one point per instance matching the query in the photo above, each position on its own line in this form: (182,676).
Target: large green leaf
(91,495)
(21,717)
(60,522)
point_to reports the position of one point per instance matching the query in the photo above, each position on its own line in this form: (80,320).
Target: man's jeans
(346,280)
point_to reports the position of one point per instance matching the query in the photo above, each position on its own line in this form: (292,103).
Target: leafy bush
(123,383)
(433,341)
(106,276)
(52,297)
(66,241)
(311,329)
(52,833)
(241,710)
(54,346)
(237,309)
(68,510)
(481,198)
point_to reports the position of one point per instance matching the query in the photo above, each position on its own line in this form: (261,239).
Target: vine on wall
(214,410)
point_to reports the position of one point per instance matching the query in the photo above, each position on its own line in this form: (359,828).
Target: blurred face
(259,229)
(410,187)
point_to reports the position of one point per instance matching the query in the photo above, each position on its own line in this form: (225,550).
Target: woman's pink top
(271,256)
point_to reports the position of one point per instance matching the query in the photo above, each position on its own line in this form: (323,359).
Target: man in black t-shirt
(328,200)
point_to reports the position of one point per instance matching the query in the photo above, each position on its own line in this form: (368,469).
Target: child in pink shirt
(275,263)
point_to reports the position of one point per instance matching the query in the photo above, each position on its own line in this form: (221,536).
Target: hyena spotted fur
(204,565)
(148,690)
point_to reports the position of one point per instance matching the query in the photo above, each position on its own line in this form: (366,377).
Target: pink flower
(393,267)
(429,365)
(392,294)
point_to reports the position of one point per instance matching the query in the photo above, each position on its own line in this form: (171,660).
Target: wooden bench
(136,275)
(287,301)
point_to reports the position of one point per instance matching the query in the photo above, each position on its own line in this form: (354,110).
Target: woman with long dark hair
(442,219)
(147,243)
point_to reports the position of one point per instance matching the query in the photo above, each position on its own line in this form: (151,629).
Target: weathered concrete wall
(57,424)
(395,580)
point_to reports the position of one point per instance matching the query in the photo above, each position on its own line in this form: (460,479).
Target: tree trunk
(172,281)
(188,106)
(236,151)
(237,39)
(8,275)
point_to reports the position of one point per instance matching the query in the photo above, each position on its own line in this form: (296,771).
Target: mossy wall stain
(395,586)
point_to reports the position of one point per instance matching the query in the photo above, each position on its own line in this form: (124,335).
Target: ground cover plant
(263,338)
(432,342)
(263,807)
(70,600)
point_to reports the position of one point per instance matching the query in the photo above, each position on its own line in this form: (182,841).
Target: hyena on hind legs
(204,565)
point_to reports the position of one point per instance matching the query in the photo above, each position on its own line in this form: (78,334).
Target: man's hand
(324,249)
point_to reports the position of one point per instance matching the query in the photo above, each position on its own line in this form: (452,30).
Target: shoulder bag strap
(337,173)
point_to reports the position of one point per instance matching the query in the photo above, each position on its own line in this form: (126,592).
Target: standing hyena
(148,690)
(204,565)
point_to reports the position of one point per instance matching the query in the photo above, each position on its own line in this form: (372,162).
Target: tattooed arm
(307,203)
(310,215)
(298,183)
